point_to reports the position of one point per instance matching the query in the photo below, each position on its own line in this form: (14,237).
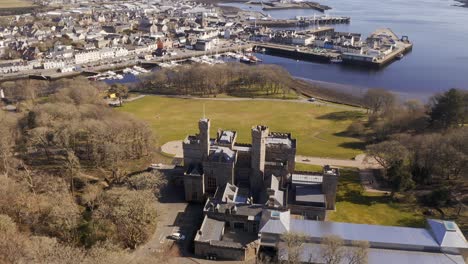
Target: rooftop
(404,236)
(226,137)
(306,178)
(211,229)
(311,251)
(222,154)
(311,194)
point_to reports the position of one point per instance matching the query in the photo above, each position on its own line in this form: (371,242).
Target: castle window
(211,183)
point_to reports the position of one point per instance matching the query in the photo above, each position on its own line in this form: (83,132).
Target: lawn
(355,206)
(319,129)
(308,167)
(14,3)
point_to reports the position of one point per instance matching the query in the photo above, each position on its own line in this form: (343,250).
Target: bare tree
(72,167)
(133,214)
(387,153)
(152,181)
(293,242)
(332,250)
(358,252)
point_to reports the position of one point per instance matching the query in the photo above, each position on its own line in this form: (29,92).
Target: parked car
(312,99)
(154,166)
(177,236)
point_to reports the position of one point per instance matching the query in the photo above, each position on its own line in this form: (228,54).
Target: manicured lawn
(14,3)
(318,129)
(355,206)
(308,167)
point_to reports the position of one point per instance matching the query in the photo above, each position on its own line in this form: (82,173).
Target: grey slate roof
(274,221)
(312,253)
(211,229)
(222,154)
(372,233)
(447,234)
(310,194)
(227,137)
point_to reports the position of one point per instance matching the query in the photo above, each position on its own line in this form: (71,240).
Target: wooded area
(66,193)
(423,149)
(205,80)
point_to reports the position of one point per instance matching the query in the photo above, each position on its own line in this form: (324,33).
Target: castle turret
(329,185)
(259,135)
(204,137)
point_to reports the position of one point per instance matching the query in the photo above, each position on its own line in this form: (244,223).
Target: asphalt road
(175,215)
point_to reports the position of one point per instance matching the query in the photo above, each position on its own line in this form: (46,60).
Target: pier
(303,21)
(302,53)
(401,47)
(301,5)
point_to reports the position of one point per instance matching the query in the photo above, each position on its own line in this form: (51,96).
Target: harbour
(436,63)
(432,66)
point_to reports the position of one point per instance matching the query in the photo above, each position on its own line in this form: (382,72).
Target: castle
(253,195)
(264,169)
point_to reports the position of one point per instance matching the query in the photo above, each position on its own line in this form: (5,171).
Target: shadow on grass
(358,197)
(350,190)
(354,145)
(342,116)
(412,222)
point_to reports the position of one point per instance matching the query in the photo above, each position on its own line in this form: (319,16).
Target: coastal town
(219,131)
(96,36)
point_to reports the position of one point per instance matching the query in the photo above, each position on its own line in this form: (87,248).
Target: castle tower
(259,135)
(329,185)
(204,137)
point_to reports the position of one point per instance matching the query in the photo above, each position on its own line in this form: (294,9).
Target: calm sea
(438,29)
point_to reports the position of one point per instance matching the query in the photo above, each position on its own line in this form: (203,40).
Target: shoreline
(352,89)
(462,3)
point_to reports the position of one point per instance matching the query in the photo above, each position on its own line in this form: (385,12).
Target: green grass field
(355,206)
(308,167)
(14,3)
(318,129)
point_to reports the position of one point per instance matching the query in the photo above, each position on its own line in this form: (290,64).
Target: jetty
(299,53)
(303,21)
(300,5)
(398,47)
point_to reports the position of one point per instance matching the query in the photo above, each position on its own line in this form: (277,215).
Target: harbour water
(438,29)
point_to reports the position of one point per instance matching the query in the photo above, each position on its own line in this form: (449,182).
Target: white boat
(245,59)
(119,77)
(140,69)
(195,59)
(336,60)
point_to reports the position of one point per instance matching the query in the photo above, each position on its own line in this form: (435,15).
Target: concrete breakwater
(303,21)
(303,53)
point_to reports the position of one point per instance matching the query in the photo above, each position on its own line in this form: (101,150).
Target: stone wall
(213,249)
(226,250)
(329,188)
(309,212)
(194,188)
(222,172)
(192,154)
